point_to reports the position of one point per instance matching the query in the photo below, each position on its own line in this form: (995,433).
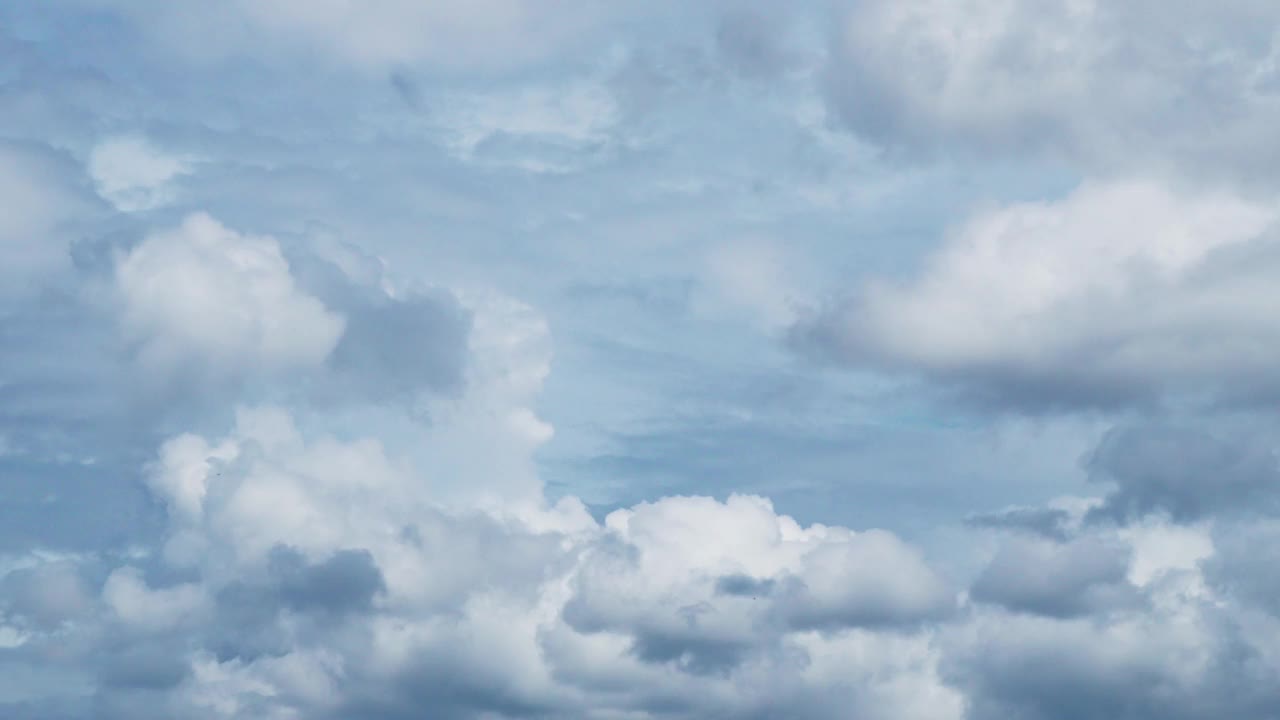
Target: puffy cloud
(127,595)
(1115,294)
(1080,577)
(305,575)
(204,295)
(151,330)
(1185,472)
(370,534)
(1109,85)
(702,584)
(133,174)
(1035,669)
(397,342)
(1187,651)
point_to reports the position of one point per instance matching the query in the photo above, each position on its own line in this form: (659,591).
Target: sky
(639,359)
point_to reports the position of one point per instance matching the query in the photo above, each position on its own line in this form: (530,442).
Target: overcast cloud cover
(877,359)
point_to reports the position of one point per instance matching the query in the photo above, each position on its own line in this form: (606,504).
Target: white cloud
(376,597)
(206,295)
(136,604)
(42,209)
(133,174)
(1115,291)
(1112,85)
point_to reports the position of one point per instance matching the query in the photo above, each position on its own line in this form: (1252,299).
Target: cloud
(132,174)
(1115,295)
(1051,523)
(45,208)
(755,577)
(204,295)
(1185,472)
(456,36)
(552,129)
(1037,669)
(397,342)
(1243,561)
(46,595)
(291,477)
(304,574)
(1156,85)
(1081,577)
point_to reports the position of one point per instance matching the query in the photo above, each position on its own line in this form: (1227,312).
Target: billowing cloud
(1113,295)
(316,576)
(206,295)
(1110,86)
(1184,472)
(329,455)
(755,576)
(1081,577)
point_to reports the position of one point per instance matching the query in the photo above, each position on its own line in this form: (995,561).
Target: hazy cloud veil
(892,360)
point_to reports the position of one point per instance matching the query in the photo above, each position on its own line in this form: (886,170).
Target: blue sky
(511,359)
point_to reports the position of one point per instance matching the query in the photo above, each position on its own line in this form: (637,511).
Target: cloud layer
(638,361)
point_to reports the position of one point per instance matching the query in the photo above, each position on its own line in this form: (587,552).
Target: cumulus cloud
(307,575)
(1187,650)
(1113,295)
(1036,669)
(1109,85)
(206,295)
(1184,472)
(753,575)
(302,481)
(1081,577)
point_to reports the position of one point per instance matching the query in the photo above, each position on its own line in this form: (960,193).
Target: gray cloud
(1082,577)
(744,585)
(1244,564)
(1187,472)
(345,582)
(1051,523)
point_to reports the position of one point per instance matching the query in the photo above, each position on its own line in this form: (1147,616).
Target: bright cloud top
(381,359)
(207,294)
(1113,293)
